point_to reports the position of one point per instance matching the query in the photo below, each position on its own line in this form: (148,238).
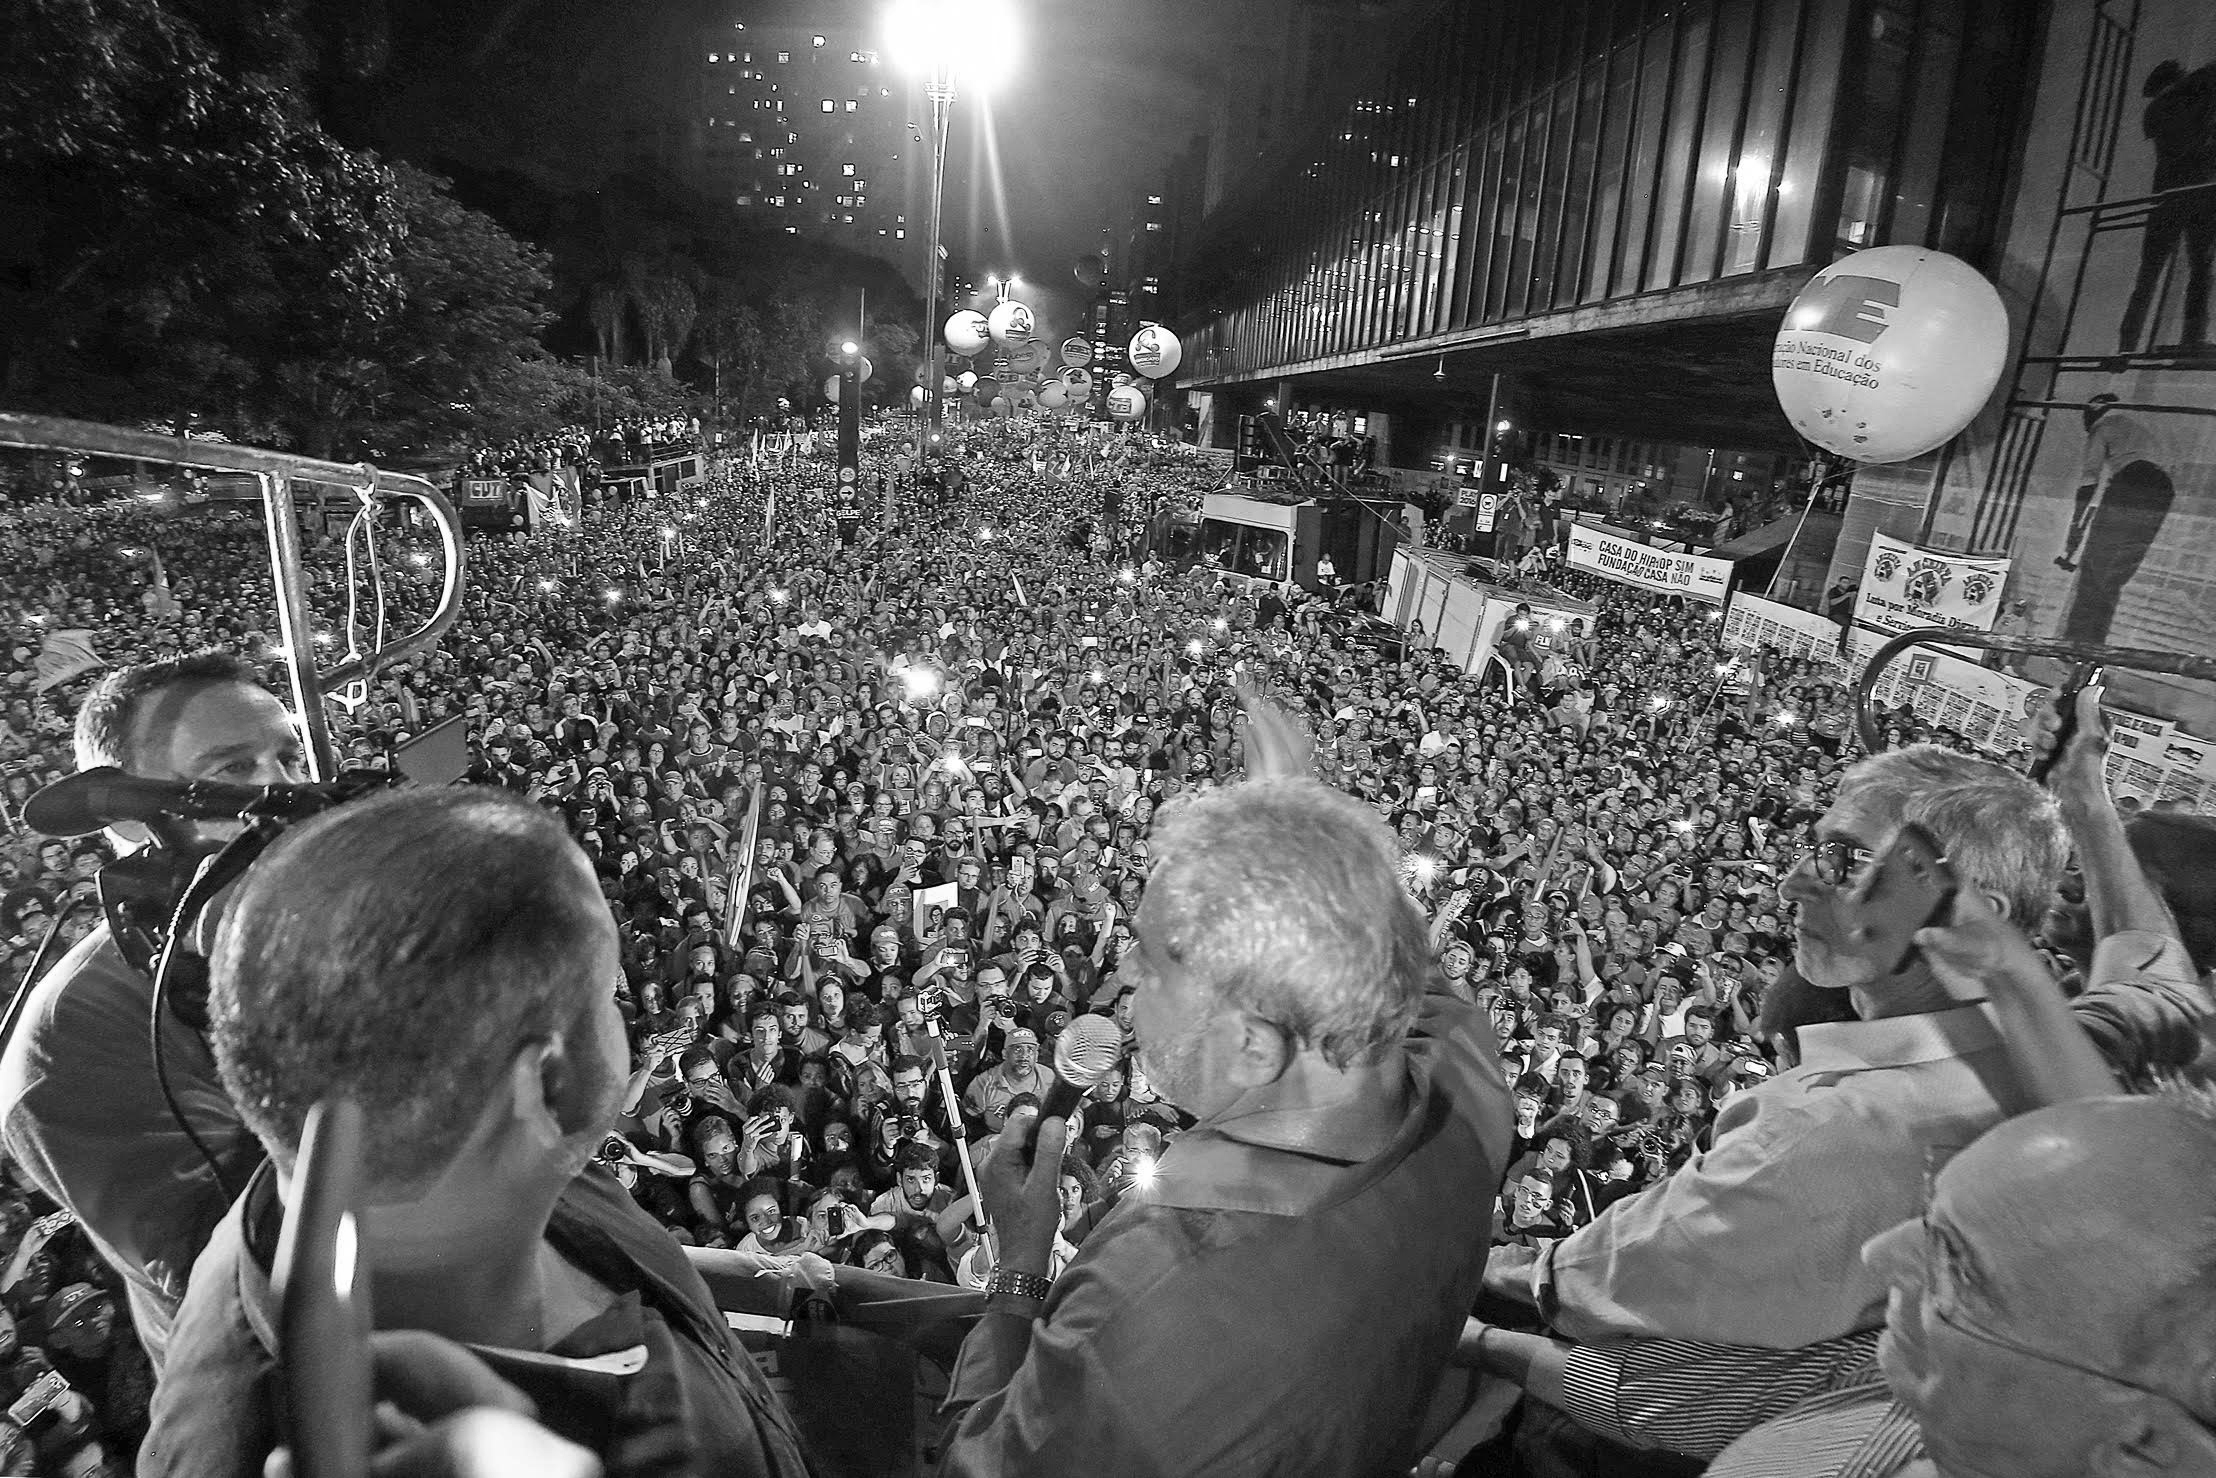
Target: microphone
(1088,1047)
(91,799)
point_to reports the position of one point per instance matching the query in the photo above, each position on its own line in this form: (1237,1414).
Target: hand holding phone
(1911,887)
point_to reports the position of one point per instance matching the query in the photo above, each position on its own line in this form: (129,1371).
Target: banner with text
(1695,576)
(1904,587)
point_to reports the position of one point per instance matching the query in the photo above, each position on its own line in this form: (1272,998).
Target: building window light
(816,41)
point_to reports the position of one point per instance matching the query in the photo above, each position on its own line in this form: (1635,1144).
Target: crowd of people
(947,739)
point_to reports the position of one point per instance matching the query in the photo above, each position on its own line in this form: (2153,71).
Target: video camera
(155,896)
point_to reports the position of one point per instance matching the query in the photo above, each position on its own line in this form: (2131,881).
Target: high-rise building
(803,126)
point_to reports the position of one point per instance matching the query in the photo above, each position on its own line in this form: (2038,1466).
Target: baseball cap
(1023,1036)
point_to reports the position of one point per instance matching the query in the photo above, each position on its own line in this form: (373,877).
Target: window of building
(713,57)
(784,56)
(1154,225)
(846,169)
(900,236)
(829,106)
(746,200)
(850,105)
(816,41)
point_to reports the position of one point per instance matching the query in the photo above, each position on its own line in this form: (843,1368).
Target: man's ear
(539,1082)
(1263,1053)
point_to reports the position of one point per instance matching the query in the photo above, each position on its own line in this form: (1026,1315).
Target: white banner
(1696,576)
(1751,621)
(1904,587)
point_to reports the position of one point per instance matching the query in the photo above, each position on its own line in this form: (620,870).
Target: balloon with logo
(967,380)
(986,390)
(1003,406)
(1090,270)
(915,397)
(831,389)
(1126,403)
(1027,401)
(1155,351)
(1027,358)
(1054,395)
(1080,381)
(1889,353)
(1077,350)
(950,386)
(968,331)
(1011,324)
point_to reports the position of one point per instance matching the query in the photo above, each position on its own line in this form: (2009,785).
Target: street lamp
(942,40)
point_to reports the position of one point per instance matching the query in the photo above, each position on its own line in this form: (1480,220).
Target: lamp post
(945,39)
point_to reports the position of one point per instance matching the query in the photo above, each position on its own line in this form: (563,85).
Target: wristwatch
(1028,1286)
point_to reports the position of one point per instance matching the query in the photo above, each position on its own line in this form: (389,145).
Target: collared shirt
(1258,1310)
(1694,1398)
(1758,1241)
(1857,1432)
(655,1384)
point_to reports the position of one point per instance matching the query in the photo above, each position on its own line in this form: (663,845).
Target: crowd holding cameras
(1651,865)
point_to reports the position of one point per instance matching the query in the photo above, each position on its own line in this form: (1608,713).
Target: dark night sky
(1110,92)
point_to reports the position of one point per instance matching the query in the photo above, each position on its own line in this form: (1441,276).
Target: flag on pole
(159,601)
(738,876)
(1021,599)
(64,655)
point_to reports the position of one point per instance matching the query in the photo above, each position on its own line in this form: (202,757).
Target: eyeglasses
(1837,862)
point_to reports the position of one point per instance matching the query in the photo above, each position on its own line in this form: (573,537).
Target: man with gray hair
(1285,1294)
(1756,1242)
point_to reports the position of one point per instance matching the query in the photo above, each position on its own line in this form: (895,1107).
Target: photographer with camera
(82,1108)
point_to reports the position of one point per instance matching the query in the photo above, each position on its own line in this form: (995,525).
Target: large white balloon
(1126,403)
(1027,357)
(967,332)
(1079,380)
(915,397)
(1054,395)
(1155,351)
(1889,353)
(967,379)
(868,369)
(1011,324)
(831,389)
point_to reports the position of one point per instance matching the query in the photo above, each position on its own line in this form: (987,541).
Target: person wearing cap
(1019,1071)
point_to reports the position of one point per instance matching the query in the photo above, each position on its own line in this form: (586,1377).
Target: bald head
(2054,1311)
(2104,1218)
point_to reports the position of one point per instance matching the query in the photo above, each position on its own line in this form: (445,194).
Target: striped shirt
(1697,1398)
(1858,1432)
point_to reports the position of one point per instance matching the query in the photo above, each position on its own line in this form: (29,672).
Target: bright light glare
(1784,720)
(419,559)
(1681,824)
(975,41)
(669,531)
(1221,624)
(1099,676)
(1127,574)
(1554,623)
(1505,426)
(546,584)
(1658,703)
(850,347)
(780,596)
(1194,646)
(985,536)
(614,596)
(921,682)
(1143,1171)
(1425,868)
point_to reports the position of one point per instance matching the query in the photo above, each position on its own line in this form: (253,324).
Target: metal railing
(277,472)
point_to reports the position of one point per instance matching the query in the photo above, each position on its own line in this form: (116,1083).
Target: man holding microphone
(1285,1296)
